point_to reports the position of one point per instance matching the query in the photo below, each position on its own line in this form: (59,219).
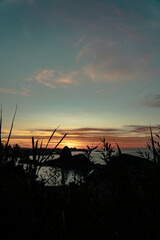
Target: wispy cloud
(53,78)
(151,101)
(8,90)
(99,91)
(106,65)
(113,41)
(17,1)
(80,40)
(110,62)
(109,43)
(23,92)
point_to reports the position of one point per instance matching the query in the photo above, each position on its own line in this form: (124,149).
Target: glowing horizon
(81,137)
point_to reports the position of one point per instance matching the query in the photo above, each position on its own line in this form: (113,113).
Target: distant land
(58,150)
(48,151)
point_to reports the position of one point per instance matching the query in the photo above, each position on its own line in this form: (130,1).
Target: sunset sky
(90,67)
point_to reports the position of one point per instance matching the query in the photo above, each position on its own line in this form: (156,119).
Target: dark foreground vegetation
(118,200)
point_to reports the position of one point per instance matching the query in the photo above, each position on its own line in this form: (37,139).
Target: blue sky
(92,67)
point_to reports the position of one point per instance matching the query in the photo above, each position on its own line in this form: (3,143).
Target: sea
(132,151)
(53,176)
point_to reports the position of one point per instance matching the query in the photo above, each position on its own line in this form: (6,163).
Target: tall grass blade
(51,137)
(40,150)
(36,149)
(11,127)
(1,128)
(153,147)
(119,150)
(56,146)
(33,149)
(39,160)
(43,158)
(60,141)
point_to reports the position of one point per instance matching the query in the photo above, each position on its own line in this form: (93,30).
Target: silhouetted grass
(88,153)
(4,146)
(118,200)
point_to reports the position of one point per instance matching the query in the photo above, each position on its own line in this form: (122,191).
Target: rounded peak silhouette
(65,153)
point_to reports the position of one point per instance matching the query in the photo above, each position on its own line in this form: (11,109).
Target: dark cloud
(141,128)
(80,133)
(80,130)
(151,101)
(90,132)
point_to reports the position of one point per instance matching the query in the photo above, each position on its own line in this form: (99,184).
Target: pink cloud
(23,92)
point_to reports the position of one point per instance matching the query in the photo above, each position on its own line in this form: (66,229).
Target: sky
(90,68)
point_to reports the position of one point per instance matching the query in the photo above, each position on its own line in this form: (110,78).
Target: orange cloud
(53,78)
(64,80)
